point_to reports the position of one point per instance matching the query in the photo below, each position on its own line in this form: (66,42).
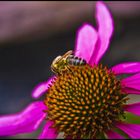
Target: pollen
(85,101)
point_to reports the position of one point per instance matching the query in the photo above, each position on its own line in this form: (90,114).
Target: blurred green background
(32,34)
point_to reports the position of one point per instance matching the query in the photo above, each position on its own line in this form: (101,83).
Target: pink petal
(130,90)
(105,30)
(23,122)
(48,132)
(132,82)
(113,135)
(133,108)
(133,130)
(86,40)
(42,88)
(126,68)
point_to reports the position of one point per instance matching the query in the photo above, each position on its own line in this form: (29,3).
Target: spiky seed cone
(85,101)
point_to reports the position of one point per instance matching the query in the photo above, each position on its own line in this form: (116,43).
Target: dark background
(32,34)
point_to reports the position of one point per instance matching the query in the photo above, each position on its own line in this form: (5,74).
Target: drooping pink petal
(129,67)
(133,130)
(113,135)
(42,88)
(130,90)
(133,108)
(85,43)
(23,122)
(48,132)
(105,30)
(132,82)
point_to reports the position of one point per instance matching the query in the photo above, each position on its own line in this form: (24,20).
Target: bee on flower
(84,99)
(62,63)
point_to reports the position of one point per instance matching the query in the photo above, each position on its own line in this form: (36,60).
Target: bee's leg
(69,69)
(60,73)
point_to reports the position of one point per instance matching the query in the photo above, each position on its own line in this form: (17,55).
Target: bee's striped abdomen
(73,60)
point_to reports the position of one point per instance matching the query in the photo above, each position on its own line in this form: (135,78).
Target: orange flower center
(85,101)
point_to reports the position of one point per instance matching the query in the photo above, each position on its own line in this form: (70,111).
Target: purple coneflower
(88,102)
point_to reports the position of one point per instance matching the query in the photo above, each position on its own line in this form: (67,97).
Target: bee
(63,63)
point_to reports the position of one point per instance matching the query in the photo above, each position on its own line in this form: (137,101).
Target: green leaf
(131,118)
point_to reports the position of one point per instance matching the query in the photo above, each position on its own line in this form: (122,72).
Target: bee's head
(55,63)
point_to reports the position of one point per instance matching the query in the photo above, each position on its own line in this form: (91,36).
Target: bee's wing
(61,58)
(67,54)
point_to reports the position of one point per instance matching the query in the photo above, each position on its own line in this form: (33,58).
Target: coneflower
(90,101)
